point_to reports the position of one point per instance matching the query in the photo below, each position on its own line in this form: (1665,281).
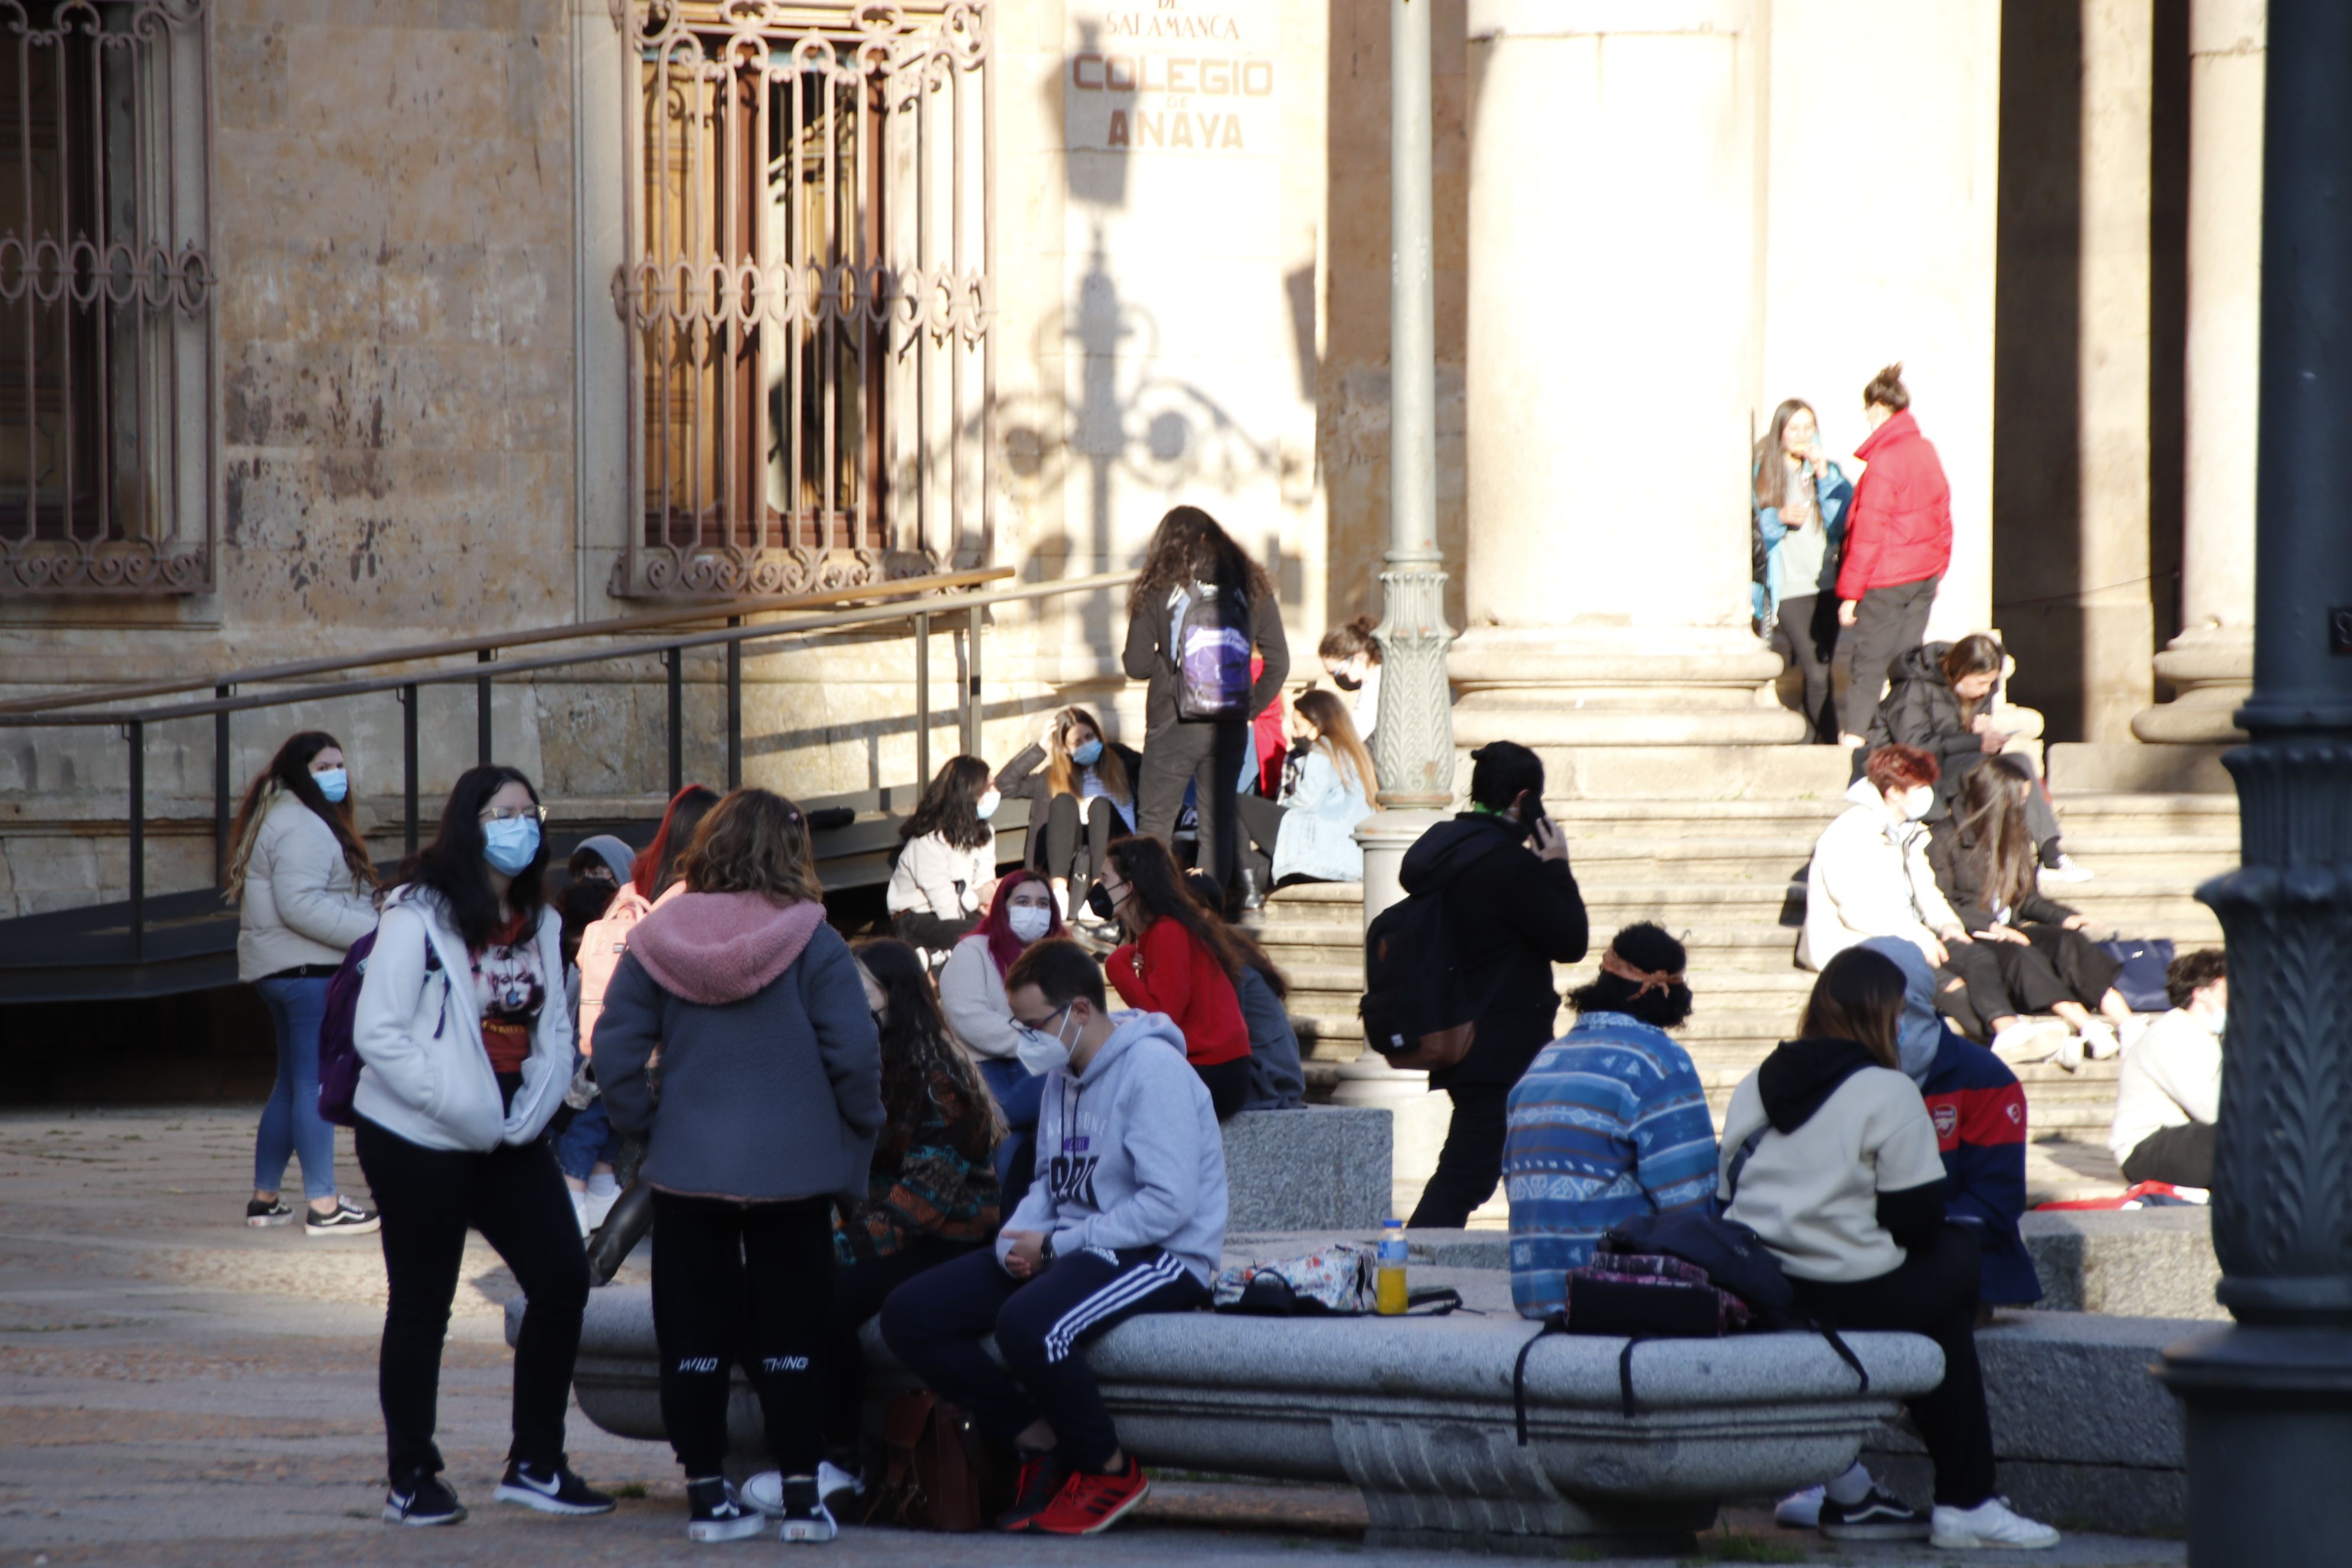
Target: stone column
(2268,1401)
(1612,170)
(2212,662)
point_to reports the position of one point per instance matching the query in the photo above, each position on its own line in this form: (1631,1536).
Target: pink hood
(717,948)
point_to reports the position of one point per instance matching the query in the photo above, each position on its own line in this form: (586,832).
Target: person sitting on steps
(1081,790)
(946,871)
(2168,1097)
(1126,1215)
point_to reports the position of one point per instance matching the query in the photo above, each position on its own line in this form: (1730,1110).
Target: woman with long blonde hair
(1328,786)
(1081,790)
(306,890)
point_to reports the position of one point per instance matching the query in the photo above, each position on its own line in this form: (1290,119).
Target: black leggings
(858,1292)
(429,1198)
(1228,1084)
(2181,1155)
(1471,1163)
(1072,824)
(1806,634)
(1209,757)
(2053,965)
(717,1263)
(1261,819)
(918,928)
(1933,1292)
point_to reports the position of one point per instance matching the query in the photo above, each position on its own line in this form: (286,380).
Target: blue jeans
(290,1122)
(588,1142)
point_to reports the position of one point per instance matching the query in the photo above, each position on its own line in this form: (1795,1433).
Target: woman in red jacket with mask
(1178,960)
(1899,541)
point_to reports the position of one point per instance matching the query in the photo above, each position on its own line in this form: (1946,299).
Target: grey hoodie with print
(1128,1153)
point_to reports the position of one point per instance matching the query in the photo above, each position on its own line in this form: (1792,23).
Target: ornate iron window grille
(108,333)
(809,292)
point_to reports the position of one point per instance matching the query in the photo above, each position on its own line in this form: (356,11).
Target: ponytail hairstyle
(1990,816)
(662,862)
(1189,547)
(1343,643)
(1062,772)
(1336,735)
(289,772)
(1886,389)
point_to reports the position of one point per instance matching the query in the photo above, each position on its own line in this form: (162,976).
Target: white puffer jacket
(419,1032)
(302,904)
(1870,876)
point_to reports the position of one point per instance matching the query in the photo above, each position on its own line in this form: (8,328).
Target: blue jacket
(1835,493)
(1978,1108)
(1609,1122)
(1319,832)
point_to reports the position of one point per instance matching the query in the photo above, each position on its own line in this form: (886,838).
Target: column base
(2268,1412)
(1617,685)
(2212,669)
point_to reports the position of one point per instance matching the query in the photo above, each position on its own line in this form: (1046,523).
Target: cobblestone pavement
(176,1389)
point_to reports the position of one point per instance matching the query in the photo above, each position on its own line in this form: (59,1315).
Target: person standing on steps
(466,1046)
(1196,611)
(1797,510)
(770,1102)
(305,888)
(1514,911)
(1081,790)
(1898,542)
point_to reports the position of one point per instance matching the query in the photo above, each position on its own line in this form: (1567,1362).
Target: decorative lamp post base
(2268,1411)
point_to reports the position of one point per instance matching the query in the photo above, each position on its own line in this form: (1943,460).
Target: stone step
(2124,812)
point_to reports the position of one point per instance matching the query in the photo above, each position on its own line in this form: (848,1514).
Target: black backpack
(1416,1007)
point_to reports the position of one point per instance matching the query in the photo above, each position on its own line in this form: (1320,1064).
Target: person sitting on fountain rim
(1609,1122)
(2168,1097)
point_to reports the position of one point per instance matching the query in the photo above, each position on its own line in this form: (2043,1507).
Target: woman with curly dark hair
(946,872)
(1197,610)
(1179,959)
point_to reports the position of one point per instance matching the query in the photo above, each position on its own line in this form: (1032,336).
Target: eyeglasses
(1044,1023)
(510,812)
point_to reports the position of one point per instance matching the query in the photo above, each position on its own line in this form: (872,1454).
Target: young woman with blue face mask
(306,888)
(946,873)
(467,1046)
(1081,790)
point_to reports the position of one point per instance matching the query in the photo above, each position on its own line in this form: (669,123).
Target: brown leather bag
(940,1470)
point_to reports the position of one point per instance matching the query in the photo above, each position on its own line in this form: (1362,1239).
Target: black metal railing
(917,614)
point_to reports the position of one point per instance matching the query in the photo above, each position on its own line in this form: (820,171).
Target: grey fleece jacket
(1128,1153)
(770,1072)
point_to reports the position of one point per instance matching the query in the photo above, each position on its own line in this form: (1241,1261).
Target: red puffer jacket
(1900,527)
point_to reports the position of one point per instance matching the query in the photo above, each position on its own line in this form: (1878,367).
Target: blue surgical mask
(1086,753)
(333,783)
(989,801)
(510,843)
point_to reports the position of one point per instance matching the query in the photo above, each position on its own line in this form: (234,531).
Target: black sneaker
(805,1517)
(1877,1517)
(559,1491)
(422,1499)
(346,1218)
(267,1211)
(1041,1481)
(712,1514)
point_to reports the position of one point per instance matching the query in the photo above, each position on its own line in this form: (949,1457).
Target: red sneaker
(1040,1480)
(1090,1503)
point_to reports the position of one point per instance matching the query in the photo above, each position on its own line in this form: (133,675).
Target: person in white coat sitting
(1870,874)
(2169,1096)
(306,892)
(467,1050)
(946,871)
(1328,787)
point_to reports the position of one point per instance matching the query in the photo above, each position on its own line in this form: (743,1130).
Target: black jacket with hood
(1920,709)
(1512,916)
(1797,1079)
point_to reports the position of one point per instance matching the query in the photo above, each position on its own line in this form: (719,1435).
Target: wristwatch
(1046,1248)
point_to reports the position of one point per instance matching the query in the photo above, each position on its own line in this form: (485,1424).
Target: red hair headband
(1648,980)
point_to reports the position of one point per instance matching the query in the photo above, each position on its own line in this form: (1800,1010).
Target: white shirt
(2172,1077)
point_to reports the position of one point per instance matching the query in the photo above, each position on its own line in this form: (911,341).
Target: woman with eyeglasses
(1179,959)
(305,888)
(467,1050)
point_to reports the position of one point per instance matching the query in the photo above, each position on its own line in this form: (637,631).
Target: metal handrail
(918,613)
(731,610)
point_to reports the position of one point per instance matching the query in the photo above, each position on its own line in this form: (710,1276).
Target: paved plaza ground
(176,1389)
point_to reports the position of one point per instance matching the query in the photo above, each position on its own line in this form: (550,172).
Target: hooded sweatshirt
(1844,1161)
(1870,876)
(770,1071)
(1128,1153)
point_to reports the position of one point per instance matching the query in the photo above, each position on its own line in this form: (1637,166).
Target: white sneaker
(2031,1040)
(580,1211)
(2098,1038)
(1989,1524)
(2068,870)
(765,1491)
(1800,1510)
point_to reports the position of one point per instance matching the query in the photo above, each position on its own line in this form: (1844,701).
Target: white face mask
(1041,1053)
(1029,921)
(989,801)
(1918,801)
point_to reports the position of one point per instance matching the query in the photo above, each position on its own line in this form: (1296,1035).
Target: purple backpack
(1213,655)
(339,1058)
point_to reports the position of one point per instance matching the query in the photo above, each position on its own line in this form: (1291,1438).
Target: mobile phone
(1531,811)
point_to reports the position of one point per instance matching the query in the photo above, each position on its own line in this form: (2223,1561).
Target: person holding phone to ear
(1514,911)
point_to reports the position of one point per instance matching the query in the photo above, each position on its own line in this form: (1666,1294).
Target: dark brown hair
(1345,642)
(1771,474)
(1859,997)
(753,841)
(1145,864)
(1336,734)
(454,865)
(917,1050)
(289,772)
(1990,818)
(1060,969)
(1886,389)
(950,807)
(1975,654)
(2184,976)
(1905,765)
(1189,547)
(1205,889)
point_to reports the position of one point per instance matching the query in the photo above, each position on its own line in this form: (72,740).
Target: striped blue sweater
(1609,1122)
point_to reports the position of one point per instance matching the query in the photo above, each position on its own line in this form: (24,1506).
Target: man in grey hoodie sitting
(1126,1215)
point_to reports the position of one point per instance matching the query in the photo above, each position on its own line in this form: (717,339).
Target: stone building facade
(500,314)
